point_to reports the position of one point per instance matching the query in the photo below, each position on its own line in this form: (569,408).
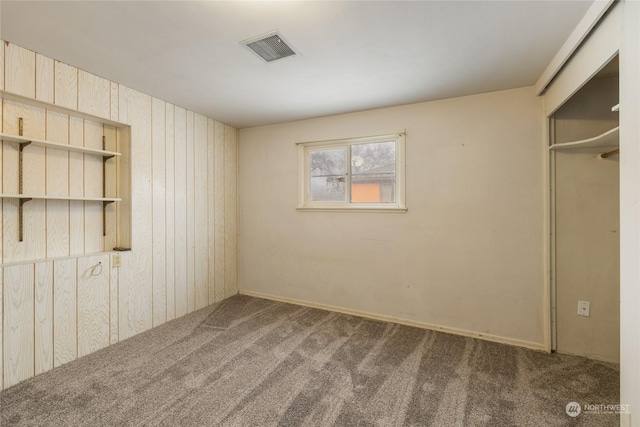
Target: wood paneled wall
(60,295)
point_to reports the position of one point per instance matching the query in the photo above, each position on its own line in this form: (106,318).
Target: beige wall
(468,254)
(183,219)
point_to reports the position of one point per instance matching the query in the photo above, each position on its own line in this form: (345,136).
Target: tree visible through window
(355,173)
(328,174)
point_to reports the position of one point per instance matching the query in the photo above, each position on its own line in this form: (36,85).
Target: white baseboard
(472,334)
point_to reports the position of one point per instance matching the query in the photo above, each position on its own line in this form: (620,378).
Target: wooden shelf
(10,96)
(608,141)
(41,197)
(41,143)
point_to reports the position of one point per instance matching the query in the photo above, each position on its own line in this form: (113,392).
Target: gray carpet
(252,362)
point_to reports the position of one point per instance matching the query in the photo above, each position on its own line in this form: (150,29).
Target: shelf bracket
(20,163)
(104,187)
(21,202)
(104,148)
(104,216)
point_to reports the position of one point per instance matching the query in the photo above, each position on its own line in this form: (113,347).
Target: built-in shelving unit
(603,143)
(24,142)
(114,174)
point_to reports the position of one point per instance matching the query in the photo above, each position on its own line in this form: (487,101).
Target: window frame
(304,178)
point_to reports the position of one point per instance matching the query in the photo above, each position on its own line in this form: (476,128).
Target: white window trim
(304,204)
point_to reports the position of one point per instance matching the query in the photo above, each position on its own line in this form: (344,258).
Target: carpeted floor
(252,362)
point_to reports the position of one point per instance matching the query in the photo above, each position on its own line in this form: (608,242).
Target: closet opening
(585,220)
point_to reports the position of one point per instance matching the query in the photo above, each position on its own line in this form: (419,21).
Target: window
(363,174)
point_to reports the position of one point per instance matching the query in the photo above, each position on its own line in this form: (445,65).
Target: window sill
(378,209)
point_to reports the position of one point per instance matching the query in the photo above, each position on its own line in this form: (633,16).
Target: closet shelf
(49,144)
(608,141)
(41,197)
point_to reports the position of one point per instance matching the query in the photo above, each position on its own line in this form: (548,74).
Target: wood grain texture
(191,230)
(180,159)
(76,187)
(57,183)
(218,234)
(126,295)
(114,101)
(57,161)
(76,227)
(114,278)
(76,160)
(211,203)
(93,303)
(56,212)
(66,85)
(111,190)
(33,176)
(94,95)
(34,127)
(43,317)
(1,185)
(123,184)
(201,253)
(58,237)
(33,245)
(142,202)
(123,104)
(19,71)
(10,160)
(170,211)
(126,292)
(93,181)
(44,78)
(64,311)
(230,213)
(1,305)
(1,88)
(159,212)
(93,133)
(93,238)
(18,324)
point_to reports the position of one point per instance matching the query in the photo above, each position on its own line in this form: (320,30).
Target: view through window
(353,173)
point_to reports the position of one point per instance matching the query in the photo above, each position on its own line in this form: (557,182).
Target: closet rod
(610,153)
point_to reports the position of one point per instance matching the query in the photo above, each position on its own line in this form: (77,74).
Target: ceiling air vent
(270,47)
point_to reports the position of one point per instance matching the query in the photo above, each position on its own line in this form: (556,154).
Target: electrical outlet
(116,260)
(583,308)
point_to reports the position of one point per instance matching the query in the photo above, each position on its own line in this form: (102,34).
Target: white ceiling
(355,55)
